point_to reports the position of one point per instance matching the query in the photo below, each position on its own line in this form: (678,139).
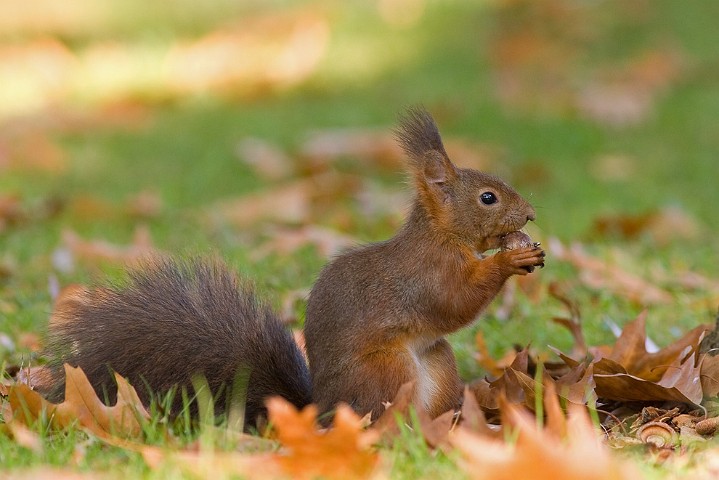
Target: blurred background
(262,130)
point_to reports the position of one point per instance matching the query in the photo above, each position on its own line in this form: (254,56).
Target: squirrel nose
(531,215)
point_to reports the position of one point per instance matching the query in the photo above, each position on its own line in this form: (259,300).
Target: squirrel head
(474,207)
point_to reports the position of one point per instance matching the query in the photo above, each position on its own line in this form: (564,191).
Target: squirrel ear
(437,169)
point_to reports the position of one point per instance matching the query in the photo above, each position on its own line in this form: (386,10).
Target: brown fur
(397,299)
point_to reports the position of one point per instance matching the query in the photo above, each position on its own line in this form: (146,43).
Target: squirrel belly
(174,320)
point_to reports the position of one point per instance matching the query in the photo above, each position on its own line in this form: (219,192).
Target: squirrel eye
(488,198)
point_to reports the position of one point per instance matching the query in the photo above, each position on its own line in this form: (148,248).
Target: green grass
(371,71)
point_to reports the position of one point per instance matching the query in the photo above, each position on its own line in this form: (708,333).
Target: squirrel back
(173,320)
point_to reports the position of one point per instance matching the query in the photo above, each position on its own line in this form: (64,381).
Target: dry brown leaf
(485,360)
(293,203)
(143,205)
(93,252)
(11,211)
(341,452)
(630,351)
(509,383)
(377,148)
(601,275)
(577,385)
(399,411)
(266,159)
(613,168)
(668,224)
(82,405)
(327,241)
(25,437)
(387,425)
(472,417)
(541,452)
(626,96)
(680,383)
(574,322)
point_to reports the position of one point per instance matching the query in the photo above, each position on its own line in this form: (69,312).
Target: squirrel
(376,317)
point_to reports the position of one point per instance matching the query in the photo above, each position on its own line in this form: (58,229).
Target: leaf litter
(660,402)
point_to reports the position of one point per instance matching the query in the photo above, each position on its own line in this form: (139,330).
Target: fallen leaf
(95,251)
(574,322)
(25,437)
(11,211)
(387,425)
(613,168)
(630,350)
(471,416)
(485,360)
(375,147)
(626,95)
(265,158)
(142,205)
(343,451)
(329,243)
(680,383)
(294,203)
(579,454)
(601,275)
(664,226)
(82,405)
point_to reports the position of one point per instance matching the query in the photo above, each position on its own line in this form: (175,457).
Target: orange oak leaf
(343,451)
(82,406)
(544,452)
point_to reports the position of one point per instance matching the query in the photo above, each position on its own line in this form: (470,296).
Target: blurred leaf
(601,275)
(94,252)
(544,453)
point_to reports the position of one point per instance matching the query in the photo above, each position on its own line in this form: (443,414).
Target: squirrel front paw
(521,261)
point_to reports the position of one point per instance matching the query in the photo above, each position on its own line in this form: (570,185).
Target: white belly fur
(426,387)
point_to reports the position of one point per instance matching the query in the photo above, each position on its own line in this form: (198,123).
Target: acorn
(514,240)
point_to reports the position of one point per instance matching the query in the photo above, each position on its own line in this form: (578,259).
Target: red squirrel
(376,317)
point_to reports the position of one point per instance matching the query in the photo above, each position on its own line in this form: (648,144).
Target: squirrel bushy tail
(173,320)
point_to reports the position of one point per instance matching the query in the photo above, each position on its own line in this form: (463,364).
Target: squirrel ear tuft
(417,133)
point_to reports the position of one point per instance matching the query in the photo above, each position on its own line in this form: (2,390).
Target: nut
(514,240)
